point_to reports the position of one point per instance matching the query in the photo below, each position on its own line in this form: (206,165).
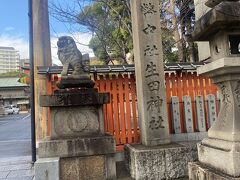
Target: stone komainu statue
(70,56)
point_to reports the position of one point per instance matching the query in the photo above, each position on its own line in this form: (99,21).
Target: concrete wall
(203,47)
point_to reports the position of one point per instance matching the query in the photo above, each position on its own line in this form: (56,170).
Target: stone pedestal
(159,162)
(221,155)
(198,171)
(77,136)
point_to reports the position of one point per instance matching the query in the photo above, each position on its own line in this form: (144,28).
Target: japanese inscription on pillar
(176,115)
(201,126)
(212,113)
(188,114)
(149,71)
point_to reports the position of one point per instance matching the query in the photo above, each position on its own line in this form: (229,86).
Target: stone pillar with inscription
(156,157)
(150,76)
(219,154)
(77,148)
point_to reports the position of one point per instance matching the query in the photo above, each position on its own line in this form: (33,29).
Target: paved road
(15,148)
(15,135)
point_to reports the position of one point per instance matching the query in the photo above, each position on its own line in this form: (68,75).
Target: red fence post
(134,108)
(168,96)
(127,107)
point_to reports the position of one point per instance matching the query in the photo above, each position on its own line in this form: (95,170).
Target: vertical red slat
(115,109)
(190,84)
(208,86)
(134,108)
(174,84)
(196,86)
(185,85)
(109,106)
(49,92)
(121,109)
(201,86)
(127,106)
(168,98)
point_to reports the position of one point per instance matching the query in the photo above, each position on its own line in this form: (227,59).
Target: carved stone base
(87,146)
(91,167)
(75,112)
(83,168)
(220,155)
(226,75)
(80,158)
(69,122)
(198,171)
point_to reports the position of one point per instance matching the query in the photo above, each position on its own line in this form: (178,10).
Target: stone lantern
(225,44)
(219,154)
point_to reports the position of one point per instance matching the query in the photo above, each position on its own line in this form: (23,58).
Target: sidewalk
(20,168)
(16,168)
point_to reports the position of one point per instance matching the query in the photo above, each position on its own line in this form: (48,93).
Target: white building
(9,59)
(203,47)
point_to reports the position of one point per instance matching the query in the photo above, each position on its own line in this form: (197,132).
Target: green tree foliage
(110,23)
(178,16)
(23,78)
(169,54)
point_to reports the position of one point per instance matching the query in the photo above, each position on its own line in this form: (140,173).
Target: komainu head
(69,55)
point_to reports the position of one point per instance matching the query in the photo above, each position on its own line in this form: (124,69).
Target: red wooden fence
(120,115)
(182,84)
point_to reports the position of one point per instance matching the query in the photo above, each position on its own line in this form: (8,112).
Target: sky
(14,29)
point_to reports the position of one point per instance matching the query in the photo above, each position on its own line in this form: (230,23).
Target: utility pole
(41,57)
(32,102)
